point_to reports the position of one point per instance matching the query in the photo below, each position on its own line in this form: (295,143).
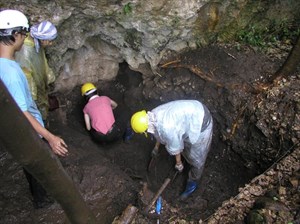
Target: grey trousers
(196,154)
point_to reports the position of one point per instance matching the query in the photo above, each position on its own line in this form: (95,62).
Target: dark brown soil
(112,176)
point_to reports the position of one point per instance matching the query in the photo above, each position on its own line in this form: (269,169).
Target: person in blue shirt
(185,128)
(13,30)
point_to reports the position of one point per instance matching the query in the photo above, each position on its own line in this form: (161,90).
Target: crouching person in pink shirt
(99,117)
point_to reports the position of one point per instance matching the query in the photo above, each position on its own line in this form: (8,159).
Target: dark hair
(7,40)
(88,97)
(7,35)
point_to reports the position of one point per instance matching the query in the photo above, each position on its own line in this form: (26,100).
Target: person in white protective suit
(34,63)
(185,128)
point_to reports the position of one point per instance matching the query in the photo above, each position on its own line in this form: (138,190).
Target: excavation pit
(112,176)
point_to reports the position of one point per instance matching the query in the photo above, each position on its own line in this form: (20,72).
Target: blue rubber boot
(189,189)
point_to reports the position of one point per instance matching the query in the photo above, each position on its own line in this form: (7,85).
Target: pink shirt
(100,112)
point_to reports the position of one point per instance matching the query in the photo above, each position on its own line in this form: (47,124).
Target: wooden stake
(127,215)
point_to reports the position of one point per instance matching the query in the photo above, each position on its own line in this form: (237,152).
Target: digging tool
(154,156)
(161,189)
(152,161)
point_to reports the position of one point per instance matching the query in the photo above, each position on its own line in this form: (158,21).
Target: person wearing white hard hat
(33,61)
(14,28)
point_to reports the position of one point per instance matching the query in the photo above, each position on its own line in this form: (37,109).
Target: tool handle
(161,189)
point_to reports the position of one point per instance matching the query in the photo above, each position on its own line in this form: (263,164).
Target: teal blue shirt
(16,83)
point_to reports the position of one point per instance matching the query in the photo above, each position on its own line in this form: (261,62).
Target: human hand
(58,145)
(179,167)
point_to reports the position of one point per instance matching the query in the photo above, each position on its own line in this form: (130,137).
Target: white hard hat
(13,18)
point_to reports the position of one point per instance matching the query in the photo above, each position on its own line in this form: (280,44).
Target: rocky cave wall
(95,36)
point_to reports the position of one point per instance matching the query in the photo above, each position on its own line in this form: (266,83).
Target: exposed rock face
(95,36)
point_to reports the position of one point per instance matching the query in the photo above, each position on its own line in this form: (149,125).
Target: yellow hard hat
(86,88)
(139,122)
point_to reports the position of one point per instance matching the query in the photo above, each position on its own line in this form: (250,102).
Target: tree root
(194,69)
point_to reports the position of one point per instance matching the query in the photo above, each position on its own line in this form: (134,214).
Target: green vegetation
(262,36)
(127,9)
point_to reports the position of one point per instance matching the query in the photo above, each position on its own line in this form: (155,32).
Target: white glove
(179,167)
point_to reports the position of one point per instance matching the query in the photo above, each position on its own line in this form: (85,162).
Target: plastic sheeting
(178,126)
(38,74)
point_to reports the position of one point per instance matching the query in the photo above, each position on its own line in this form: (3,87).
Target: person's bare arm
(56,143)
(178,158)
(179,165)
(155,149)
(87,122)
(113,104)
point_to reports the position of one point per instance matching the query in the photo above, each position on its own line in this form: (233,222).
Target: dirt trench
(112,176)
